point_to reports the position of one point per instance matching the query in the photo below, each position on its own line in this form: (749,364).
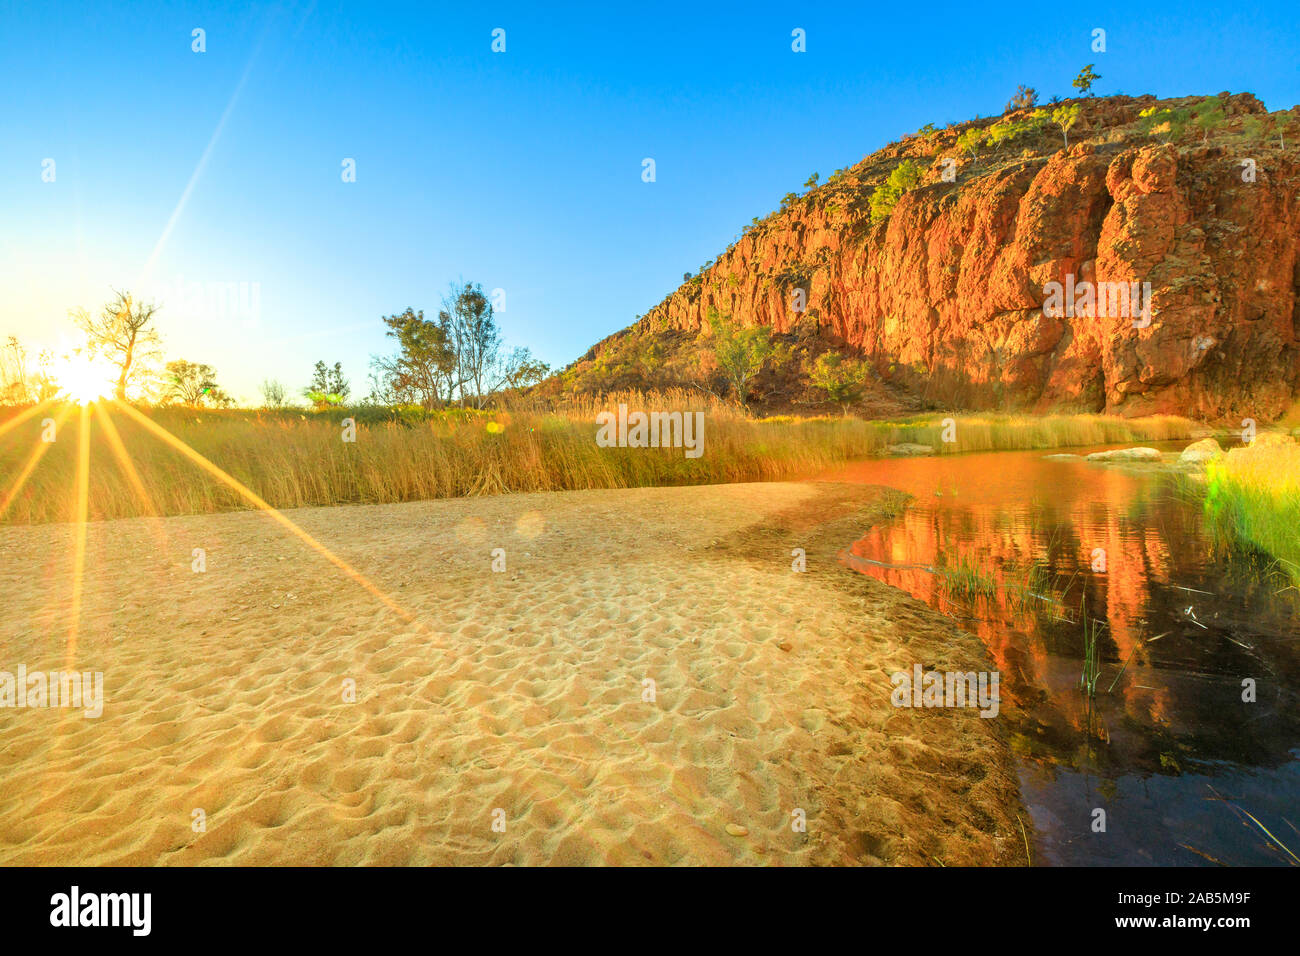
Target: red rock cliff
(950,290)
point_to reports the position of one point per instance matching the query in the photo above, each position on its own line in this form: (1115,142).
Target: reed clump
(295,458)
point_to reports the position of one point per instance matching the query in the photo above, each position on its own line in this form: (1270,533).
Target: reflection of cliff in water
(1006,543)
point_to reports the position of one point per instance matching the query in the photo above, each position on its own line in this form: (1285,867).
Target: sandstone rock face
(952,293)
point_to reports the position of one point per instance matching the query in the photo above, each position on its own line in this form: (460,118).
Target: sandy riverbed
(520,691)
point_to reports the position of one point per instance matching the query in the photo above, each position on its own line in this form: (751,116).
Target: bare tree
(121,333)
(274,394)
(14,389)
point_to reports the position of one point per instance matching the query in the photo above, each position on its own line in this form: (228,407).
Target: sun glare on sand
(84,378)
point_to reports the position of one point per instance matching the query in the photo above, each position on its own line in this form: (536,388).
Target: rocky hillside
(948,291)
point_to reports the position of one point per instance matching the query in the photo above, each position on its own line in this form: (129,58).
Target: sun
(84,378)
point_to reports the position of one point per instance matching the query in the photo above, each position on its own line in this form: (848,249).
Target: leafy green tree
(970,141)
(1209,116)
(812,181)
(839,377)
(741,352)
(904,177)
(194,383)
(328,386)
(1083,82)
(1011,129)
(520,369)
(1156,120)
(1065,117)
(424,368)
(470,320)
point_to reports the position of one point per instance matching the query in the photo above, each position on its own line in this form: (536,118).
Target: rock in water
(910,448)
(1126,454)
(1198,453)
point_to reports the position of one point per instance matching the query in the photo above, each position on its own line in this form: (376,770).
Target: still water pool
(1011,544)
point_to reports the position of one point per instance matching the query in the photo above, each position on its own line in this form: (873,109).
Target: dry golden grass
(1256,491)
(293,459)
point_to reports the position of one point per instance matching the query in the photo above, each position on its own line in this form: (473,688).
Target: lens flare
(84,378)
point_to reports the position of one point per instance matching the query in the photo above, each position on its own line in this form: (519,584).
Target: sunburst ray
(258,502)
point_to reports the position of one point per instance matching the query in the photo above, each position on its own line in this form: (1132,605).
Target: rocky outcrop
(954,294)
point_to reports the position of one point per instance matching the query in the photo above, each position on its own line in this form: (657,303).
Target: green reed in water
(1092,629)
(967,578)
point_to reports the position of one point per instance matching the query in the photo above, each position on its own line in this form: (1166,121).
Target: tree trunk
(120,391)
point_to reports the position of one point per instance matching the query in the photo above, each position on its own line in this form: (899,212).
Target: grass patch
(296,458)
(967,578)
(1091,672)
(1254,492)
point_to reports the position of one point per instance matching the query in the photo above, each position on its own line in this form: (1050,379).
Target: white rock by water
(910,448)
(1126,454)
(1198,453)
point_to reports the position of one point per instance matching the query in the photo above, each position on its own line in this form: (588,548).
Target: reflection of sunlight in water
(1007,544)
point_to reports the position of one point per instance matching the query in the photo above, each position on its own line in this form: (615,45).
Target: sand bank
(516,698)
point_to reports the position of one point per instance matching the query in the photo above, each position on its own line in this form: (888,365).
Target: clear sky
(518,170)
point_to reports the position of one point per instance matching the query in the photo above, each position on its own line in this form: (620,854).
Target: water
(1168,749)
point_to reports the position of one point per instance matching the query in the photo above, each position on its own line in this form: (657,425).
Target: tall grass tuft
(297,458)
(1254,491)
(1092,629)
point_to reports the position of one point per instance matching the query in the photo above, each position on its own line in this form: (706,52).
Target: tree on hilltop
(1065,117)
(1083,82)
(1025,97)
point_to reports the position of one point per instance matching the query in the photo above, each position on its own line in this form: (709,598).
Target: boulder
(910,448)
(1198,453)
(1126,454)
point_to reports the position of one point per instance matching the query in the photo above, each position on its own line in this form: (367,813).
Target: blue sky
(519,170)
